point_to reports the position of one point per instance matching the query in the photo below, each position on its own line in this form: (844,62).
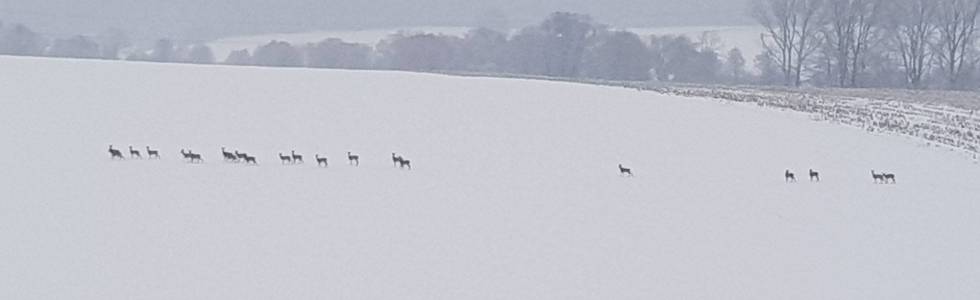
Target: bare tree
(867,33)
(111,42)
(852,26)
(620,55)
(336,53)
(735,62)
(239,57)
(567,35)
(956,23)
(165,50)
(79,46)
(791,33)
(20,40)
(277,54)
(914,28)
(839,37)
(199,54)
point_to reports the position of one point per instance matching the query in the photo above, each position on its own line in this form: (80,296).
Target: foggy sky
(206,19)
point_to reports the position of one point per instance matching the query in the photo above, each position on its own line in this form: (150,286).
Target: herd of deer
(815,176)
(883,178)
(292,158)
(397,161)
(134,153)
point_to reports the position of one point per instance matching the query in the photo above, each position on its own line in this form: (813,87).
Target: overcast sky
(204,19)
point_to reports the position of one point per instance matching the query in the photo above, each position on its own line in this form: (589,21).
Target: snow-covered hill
(515,192)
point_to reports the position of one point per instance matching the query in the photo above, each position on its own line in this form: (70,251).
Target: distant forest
(913,44)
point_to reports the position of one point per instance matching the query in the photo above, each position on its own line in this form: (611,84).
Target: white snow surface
(515,192)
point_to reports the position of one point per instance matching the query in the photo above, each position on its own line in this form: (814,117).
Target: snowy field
(515,192)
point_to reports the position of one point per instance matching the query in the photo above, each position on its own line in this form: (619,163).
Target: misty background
(210,19)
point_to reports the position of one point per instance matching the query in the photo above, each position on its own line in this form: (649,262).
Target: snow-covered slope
(515,192)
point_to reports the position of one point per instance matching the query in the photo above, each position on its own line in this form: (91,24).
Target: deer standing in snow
(134,153)
(888,177)
(879,178)
(115,153)
(296,157)
(625,171)
(152,153)
(395,160)
(228,155)
(353,159)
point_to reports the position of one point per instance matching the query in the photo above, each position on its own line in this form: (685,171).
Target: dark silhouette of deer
(879,178)
(194,157)
(321,161)
(405,163)
(191,156)
(296,157)
(152,153)
(814,175)
(353,159)
(228,155)
(625,171)
(888,177)
(250,159)
(134,153)
(240,155)
(114,154)
(185,154)
(285,159)
(790,177)
(395,160)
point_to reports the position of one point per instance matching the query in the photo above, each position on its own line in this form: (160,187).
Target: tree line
(914,44)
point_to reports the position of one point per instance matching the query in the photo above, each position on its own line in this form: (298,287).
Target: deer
(405,163)
(790,177)
(395,160)
(250,160)
(228,155)
(625,171)
(194,157)
(285,159)
(321,161)
(888,177)
(814,175)
(185,154)
(296,157)
(134,153)
(152,153)
(353,159)
(879,178)
(240,155)
(114,154)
